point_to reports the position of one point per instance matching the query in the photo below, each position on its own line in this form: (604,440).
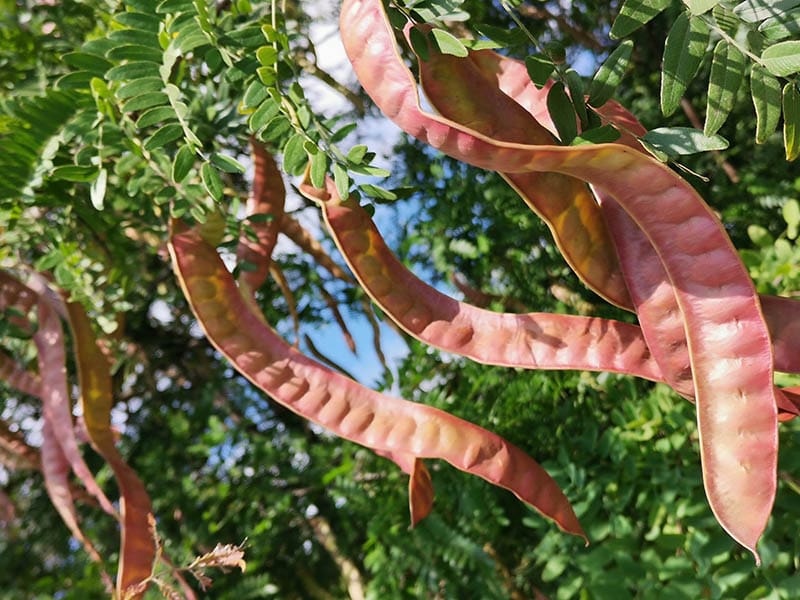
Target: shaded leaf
(562,112)
(539,69)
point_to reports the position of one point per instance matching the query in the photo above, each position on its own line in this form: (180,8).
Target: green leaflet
(634,14)
(783,26)
(74,173)
(539,69)
(576,94)
(698,7)
(184,160)
(783,58)
(608,76)
(96,65)
(140,86)
(133,70)
(294,155)
(447,43)
(319,167)
(683,51)
(791,120)
(135,52)
(147,100)
(766,93)
(727,73)
(156,115)
(138,20)
(212,181)
(562,112)
(227,163)
(683,140)
(753,11)
(163,136)
(342,180)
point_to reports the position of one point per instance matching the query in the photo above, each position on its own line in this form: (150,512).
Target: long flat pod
(49,341)
(641,266)
(266,203)
(730,349)
(565,204)
(137,547)
(530,341)
(340,404)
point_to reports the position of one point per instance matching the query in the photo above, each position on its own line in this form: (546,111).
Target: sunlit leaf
(212,181)
(783,58)
(683,51)
(609,75)
(683,140)
(727,74)
(766,93)
(634,14)
(791,120)
(447,43)
(753,11)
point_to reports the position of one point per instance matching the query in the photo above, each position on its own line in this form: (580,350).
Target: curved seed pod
(532,340)
(137,548)
(648,284)
(55,468)
(511,77)
(266,198)
(420,485)
(341,405)
(19,377)
(49,341)
(461,91)
(730,351)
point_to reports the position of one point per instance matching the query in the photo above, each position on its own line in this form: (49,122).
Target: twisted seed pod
(56,407)
(340,404)
(267,197)
(730,350)
(531,341)
(137,547)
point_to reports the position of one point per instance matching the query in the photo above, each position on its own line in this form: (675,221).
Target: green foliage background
(224,464)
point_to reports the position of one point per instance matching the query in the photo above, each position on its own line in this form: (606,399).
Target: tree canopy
(232,238)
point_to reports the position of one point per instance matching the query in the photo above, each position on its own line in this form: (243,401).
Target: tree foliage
(138,140)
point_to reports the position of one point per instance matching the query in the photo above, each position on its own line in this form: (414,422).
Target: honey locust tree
(127,134)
